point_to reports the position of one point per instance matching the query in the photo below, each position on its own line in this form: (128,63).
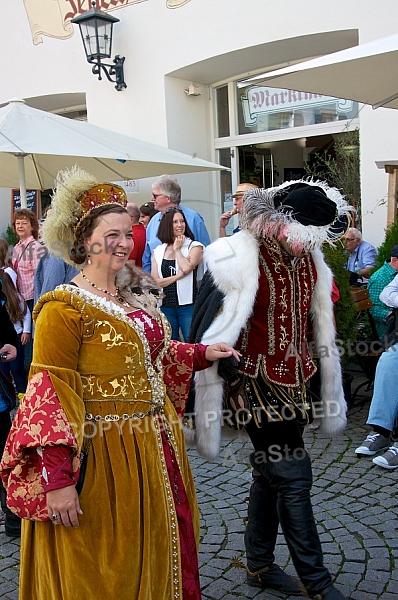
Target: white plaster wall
(378,139)
(156,41)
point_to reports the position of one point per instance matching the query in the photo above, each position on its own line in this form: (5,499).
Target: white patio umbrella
(35,145)
(366,73)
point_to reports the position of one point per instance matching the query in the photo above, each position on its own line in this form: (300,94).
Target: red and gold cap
(102,194)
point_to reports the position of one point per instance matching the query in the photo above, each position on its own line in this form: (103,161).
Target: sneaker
(389,460)
(274,578)
(373,444)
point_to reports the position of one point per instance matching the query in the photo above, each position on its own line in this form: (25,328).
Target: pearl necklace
(118,298)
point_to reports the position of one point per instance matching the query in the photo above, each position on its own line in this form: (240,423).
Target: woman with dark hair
(174,266)
(105,377)
(21,319)
(147,211)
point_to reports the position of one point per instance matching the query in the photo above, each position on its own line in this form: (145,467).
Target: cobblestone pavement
(354,502)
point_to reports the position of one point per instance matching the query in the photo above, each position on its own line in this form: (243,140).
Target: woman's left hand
(220,350)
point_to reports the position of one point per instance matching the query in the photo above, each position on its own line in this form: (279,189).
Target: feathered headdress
(76,195)
(306,213)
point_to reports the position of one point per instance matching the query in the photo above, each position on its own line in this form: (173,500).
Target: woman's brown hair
(5,258)
(25,213)
(16,305)
(148,209)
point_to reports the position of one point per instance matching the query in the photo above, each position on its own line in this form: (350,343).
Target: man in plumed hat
(265,287)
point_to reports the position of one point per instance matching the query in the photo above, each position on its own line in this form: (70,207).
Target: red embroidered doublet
(276,333)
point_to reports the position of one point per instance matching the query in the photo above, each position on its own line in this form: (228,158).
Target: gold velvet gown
(128,544)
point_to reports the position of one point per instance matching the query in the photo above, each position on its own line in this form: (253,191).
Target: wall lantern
(96,30)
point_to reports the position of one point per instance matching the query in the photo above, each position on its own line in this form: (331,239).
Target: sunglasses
(156,195)
(171,209)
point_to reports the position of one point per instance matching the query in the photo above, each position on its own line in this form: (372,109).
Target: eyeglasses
(155,196)
(350,239)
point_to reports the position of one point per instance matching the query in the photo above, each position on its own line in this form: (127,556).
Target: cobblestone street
(354,502)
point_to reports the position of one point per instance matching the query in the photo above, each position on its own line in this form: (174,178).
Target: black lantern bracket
(116,70)
(96,28)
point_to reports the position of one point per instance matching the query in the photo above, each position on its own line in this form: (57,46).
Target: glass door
(256,166)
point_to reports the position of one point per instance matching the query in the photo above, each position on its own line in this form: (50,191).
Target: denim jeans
(384,406)
(280,494)
(179,317)
(28,348)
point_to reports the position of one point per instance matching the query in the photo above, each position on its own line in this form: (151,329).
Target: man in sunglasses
(166,194)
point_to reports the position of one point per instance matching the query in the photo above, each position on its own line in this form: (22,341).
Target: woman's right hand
(9,351)
(178,242)
(64,503)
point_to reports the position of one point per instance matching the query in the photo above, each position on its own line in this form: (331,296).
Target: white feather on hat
(66,209)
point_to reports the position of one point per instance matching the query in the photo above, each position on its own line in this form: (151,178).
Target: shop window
(265,109)
(222,111)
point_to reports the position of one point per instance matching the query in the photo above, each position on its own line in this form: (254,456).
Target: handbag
(7,392)
(83,463)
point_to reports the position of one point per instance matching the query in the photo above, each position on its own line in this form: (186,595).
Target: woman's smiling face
(111,242)
(178,224)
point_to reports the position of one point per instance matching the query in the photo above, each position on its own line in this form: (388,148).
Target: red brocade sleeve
(40,422)
(179,364)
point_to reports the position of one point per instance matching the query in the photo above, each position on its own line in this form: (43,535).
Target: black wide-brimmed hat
(311,211)
(307,204)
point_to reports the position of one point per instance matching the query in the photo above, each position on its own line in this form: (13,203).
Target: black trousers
(280,494)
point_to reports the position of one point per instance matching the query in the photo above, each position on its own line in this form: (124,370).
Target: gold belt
(125,417)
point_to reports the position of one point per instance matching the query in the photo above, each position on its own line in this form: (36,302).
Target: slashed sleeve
(51,413)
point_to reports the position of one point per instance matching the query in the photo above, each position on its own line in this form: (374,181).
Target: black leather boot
(12,525)
(329,594)
(12,522)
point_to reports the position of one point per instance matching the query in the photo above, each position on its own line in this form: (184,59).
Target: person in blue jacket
(166,193)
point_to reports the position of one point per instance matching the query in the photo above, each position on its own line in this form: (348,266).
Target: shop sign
(263,100)
(53,17)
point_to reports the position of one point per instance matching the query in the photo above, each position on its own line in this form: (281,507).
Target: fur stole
(139,289)
(234,266)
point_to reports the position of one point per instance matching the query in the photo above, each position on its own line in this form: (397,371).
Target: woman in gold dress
(105,376)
